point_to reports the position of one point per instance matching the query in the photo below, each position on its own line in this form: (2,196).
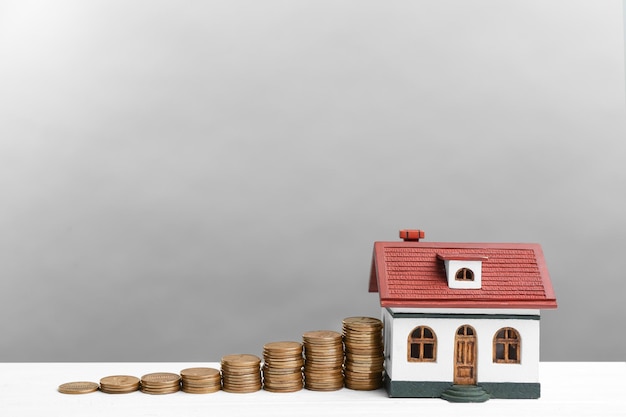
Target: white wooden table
(30,389)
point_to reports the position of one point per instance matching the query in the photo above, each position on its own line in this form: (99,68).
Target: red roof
(412,274)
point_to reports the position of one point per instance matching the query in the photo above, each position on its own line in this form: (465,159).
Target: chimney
(410,235)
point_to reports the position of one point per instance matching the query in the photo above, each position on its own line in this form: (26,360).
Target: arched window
(422,345)
(465,331)
(507,346)
(464,274)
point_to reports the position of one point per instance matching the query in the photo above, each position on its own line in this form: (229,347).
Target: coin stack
(78,387)
(119,384)
(364,363)
(323,360)
(241,373)
(201,380)
(282,368)
(160,383)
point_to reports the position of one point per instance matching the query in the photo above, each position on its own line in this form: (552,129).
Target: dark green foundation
(434,389)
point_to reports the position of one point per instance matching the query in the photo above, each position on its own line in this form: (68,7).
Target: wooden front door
(465,356)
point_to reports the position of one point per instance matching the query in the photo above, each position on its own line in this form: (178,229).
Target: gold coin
(78,387)
(240,377)
(363,373)
(283,377)
(296,380)
(282,371)
(241,360)
(363,337)
(322,347)
(362,322)
(160,383)
(160,391)
(242,388)
(363,387)
(321,361)
(207,390)
(201,383)
(283,346)
(199,373)
(119,391)
(160,378)
(284,390)
(322,335)
(272,364)
(323,387)
(119,381)
(364,355)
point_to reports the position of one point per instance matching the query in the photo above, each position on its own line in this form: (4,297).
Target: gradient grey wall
(184,180)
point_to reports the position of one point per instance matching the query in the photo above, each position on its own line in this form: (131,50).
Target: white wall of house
(399,368)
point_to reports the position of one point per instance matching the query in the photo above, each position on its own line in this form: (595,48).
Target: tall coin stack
(201,380)
(282,368)
(323,360)
(160,383)
(241,373)
(364,363)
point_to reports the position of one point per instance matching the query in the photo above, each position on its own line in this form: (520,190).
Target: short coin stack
(201,380)
(323,353)
(160,383)
(282,368)
(364,363)
(119,384)
(241,373)
(78,387)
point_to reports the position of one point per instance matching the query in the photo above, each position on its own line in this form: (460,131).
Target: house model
(461,320)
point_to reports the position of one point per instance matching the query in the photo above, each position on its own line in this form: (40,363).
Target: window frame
(467,275)
(511,338)
(421,341)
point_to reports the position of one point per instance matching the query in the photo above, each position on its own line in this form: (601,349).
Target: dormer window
(463,271)
(464,274)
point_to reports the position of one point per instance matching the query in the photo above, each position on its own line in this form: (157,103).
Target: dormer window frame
(463,271)
(464,274)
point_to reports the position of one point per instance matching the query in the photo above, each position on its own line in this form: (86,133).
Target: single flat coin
(78,387)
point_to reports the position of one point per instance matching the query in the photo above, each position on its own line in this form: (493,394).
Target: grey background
(185,180)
